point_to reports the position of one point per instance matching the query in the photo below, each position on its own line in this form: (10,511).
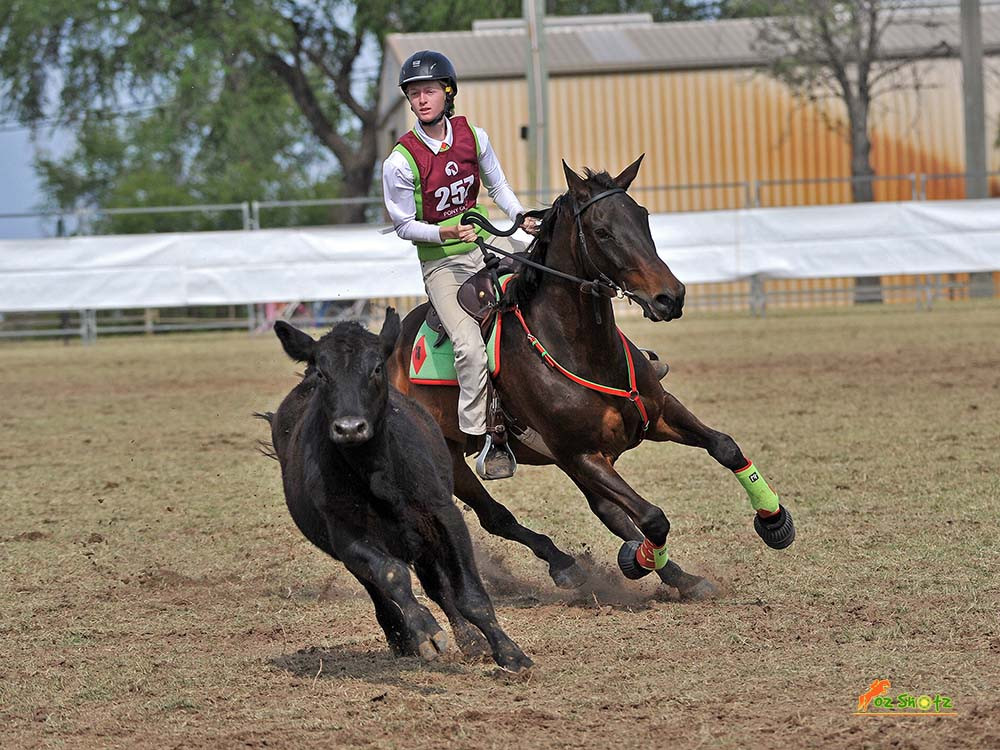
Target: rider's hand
(531,225)
(463,232)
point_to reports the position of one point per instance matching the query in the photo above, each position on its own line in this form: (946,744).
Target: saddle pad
(430,365)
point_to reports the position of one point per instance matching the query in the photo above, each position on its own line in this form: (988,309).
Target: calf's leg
(390,617)
(391,577)
(450,575)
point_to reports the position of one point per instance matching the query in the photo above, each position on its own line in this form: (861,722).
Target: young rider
(429,180)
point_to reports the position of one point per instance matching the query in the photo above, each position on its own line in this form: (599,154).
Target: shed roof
(620,43)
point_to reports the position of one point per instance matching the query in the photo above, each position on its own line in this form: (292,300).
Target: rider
(429,180)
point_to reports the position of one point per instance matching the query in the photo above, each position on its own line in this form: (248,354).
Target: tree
(226,101)
(823,49)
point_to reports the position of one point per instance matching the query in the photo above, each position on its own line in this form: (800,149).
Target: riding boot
(495,460)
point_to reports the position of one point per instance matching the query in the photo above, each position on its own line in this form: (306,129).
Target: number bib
(446,184)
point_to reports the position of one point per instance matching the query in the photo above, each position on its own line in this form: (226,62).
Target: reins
(601,286)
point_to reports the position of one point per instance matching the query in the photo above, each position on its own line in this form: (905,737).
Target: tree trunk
(358,173)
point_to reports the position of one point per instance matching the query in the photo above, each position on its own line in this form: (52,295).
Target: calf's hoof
(432,647)
(777,531)
(571,577)
(629,566)
(513,660)
(471,643)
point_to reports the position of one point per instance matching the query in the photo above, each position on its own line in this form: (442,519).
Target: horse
(365,480)
(590,394)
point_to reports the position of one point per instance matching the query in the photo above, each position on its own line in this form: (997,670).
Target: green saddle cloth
(435,365)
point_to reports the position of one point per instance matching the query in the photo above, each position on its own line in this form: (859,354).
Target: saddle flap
(478,296)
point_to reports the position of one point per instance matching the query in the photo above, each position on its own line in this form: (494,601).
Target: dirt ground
(155,592)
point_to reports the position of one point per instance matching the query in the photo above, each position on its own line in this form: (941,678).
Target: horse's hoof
(572,577)
(701,591)
(630,568)
(777,531)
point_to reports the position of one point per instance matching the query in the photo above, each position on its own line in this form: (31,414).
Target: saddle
(477,296)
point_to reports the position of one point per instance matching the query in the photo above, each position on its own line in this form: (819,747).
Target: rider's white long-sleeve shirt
(400,202)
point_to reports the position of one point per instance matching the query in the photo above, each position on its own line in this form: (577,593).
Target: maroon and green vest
(445,185)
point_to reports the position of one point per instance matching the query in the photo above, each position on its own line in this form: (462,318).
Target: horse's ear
(628,174)
(389,333)
(297,344)
(575,182)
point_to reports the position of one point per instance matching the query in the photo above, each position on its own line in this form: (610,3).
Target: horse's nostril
(665,301)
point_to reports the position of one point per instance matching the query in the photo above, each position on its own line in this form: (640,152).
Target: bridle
(600,286)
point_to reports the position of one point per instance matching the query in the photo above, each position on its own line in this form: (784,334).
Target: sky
(19,190)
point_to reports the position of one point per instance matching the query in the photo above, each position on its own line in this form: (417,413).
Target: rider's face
(426,98)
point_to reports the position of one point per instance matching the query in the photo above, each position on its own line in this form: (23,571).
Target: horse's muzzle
(662,307)
(350,430)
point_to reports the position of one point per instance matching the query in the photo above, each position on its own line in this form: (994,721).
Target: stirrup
(495,461)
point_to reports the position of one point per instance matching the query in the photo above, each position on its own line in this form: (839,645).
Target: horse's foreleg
(594,473)
(499,521)
(618,523)
(676,423)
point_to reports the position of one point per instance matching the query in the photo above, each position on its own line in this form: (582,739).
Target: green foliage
(218,101)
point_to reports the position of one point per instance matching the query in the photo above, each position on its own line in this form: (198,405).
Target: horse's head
(348,367)
(618,243)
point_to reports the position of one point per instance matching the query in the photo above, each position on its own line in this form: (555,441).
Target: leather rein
(602,286)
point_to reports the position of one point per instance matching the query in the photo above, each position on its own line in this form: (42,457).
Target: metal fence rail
(755,295)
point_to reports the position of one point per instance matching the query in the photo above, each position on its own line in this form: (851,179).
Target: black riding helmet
(428,65)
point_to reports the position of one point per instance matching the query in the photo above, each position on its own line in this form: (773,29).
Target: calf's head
(348,366)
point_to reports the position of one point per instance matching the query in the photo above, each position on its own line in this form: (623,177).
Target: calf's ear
(297,344)
(389,333)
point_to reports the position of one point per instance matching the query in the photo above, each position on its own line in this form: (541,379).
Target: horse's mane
(523,286)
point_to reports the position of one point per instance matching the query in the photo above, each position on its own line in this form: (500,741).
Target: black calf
(368,480)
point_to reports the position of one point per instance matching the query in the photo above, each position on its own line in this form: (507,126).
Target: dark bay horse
(593,231)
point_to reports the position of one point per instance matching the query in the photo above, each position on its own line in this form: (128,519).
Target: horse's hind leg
(499,521)
(676,423)
(618,523)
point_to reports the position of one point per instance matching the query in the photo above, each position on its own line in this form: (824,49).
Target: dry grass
(156,594)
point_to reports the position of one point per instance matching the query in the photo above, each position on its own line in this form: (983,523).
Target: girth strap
(631,394)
